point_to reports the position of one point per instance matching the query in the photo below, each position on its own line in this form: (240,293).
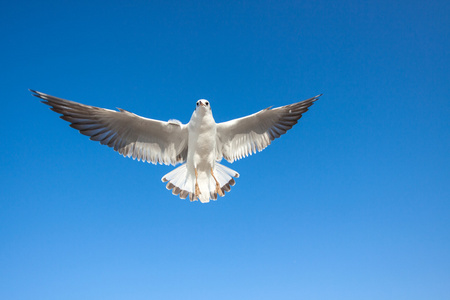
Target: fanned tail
(224,176)
(182,182)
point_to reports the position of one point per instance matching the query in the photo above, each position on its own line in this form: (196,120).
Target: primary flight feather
(201,144)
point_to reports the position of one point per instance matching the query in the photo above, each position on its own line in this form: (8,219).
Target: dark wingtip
(36,93)
(315,98)
(40,96)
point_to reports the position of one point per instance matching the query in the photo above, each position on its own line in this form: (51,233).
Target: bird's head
(203,104)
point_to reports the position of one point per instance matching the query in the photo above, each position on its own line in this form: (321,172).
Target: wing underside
(127,133)
(242,137)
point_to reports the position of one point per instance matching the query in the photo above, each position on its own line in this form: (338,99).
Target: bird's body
(201,149)
(201,143)
(202,131)
(200,168)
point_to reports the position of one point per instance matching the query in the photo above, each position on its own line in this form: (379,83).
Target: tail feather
(182,182)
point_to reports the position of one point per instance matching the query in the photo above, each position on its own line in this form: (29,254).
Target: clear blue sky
(352,203)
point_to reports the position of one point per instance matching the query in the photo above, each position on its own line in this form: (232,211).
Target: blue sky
(352,203)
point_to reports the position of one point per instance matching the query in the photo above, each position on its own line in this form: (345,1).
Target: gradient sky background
(352,203)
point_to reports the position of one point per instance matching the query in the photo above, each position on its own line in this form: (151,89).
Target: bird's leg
(197,189)
(218,189)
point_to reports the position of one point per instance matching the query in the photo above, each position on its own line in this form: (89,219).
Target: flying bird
(200,144)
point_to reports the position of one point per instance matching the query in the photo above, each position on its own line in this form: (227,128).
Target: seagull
(200,144)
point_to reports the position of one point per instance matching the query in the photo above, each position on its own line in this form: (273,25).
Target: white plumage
(201,143)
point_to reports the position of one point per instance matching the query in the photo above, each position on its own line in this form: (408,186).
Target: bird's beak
(202,104)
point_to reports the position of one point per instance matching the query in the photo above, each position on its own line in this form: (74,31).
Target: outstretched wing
(241,137)
(129,134)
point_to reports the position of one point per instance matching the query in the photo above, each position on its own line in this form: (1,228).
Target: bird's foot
(197,190)
(219,190)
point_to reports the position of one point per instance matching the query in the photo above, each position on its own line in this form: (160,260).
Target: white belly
(202,144)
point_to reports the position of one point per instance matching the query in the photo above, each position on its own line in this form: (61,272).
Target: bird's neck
(200,117)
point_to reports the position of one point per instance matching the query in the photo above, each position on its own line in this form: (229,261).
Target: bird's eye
(207,103)
(198,103)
